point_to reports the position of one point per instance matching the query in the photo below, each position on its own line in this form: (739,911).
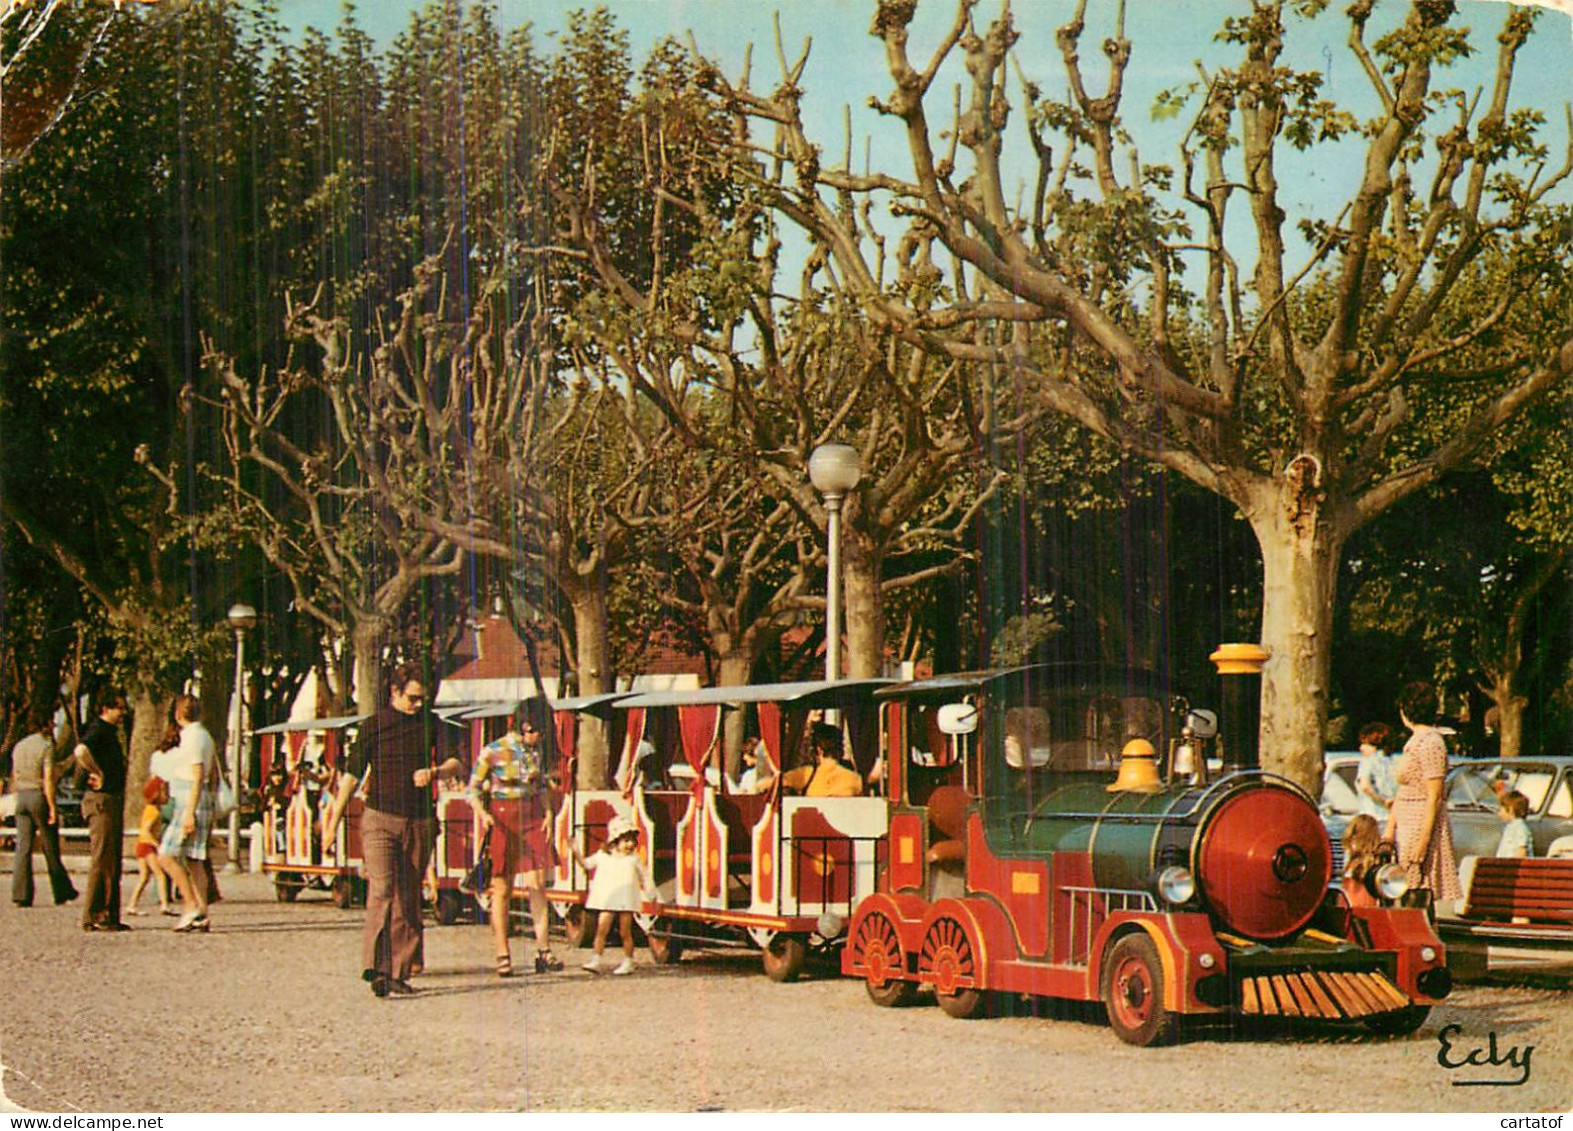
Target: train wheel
(286,886)
(951,964)
(1133,993)
(579,928)
(450,905)
(877,948)
(343,893)
(1399,1023)
(784,956)
(665,948)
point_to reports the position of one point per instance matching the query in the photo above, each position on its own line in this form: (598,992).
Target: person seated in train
(826,776)
(275,800)
(757,773)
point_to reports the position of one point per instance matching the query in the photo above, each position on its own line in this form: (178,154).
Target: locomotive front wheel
(784,956)
(949,961)
(1133,993)
(664,948)
(1399,1023)
(286,886)
(877,947)
(579,927)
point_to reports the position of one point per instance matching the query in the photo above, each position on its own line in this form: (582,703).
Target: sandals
(504,967)
(546,962)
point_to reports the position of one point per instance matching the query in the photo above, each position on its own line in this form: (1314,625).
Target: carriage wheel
(877,948)
(950,963)
(579,928)
(1399,1023)
(1133,993)
(665,949)
(784,956)
(286,886)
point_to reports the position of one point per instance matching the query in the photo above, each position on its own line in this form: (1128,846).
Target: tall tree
(1317,388)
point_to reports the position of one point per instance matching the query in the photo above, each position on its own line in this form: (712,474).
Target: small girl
(1516,838)
(1364,852)
(618,877)
(156,794)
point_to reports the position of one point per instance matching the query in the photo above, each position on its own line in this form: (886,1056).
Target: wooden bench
(1510,902)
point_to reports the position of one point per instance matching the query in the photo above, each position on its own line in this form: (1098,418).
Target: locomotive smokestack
(1240,711)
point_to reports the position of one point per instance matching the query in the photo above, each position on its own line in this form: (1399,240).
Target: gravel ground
(286,1025)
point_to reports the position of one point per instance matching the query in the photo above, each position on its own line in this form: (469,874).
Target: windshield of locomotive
(1042,733)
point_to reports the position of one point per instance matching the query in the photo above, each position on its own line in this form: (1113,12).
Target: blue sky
(846,64)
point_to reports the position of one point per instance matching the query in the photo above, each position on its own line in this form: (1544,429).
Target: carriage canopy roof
(1047,676)
(809,693)
(338,722)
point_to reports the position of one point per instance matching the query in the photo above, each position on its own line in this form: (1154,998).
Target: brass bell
(1138,769)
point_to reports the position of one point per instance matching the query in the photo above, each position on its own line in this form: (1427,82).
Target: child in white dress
(618,877)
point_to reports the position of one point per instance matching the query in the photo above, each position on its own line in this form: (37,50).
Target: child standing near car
(1516,838)
(149,829)
(618,878)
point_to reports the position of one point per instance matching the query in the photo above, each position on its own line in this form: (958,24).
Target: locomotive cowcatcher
(1019,863)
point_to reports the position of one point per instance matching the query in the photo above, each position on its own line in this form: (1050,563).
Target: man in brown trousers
(398,756)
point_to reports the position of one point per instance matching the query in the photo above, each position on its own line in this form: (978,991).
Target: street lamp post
(834,470)
(241,618)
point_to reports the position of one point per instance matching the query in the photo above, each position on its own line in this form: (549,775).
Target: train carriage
(310,752)
(1037,848)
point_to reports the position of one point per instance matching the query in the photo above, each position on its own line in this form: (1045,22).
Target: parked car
(1339,802)
(1473,787)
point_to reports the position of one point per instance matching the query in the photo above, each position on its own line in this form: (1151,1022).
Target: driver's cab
(1047,727)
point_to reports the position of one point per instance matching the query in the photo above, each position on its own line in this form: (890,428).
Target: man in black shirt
(398,756)
(104,805)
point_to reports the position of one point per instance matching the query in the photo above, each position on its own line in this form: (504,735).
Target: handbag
(223,801)
(477,878)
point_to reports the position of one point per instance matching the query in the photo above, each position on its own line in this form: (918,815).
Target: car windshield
(1338,788)
(1479,787)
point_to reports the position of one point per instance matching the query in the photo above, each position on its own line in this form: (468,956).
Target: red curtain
(633,732)
(698,725)
(770,732)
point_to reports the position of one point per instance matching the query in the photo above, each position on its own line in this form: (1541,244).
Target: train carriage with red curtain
(752,869)
(311,753)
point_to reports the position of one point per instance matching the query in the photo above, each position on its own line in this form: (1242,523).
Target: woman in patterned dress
(1418,821)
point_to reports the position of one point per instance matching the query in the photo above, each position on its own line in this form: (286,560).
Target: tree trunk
(366,640)
(736,667)
(863,606)
(1510,714)
(595,677)
(150,714)
(1300,555)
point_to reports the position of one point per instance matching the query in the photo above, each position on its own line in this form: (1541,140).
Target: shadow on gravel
(291,925)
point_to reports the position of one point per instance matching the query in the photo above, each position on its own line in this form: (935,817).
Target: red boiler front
(1263,862)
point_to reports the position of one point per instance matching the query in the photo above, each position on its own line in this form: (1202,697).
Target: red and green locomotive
(1036,847)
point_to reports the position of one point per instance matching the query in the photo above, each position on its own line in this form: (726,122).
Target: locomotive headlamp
(1391,882)
(830,925)
(1428,954)
(1176,884)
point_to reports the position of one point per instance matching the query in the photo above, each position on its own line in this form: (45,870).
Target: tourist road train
(1050,831)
